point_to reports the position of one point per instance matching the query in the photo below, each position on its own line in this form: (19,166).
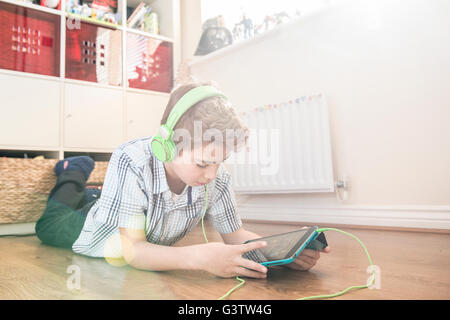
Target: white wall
(191,27)
(385,67)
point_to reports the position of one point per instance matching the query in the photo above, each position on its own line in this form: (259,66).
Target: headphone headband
(162,144)
(188,100)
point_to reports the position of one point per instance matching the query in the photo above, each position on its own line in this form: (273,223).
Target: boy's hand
(307,259)
(226,260)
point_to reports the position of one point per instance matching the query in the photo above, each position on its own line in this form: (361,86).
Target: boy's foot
(83,164)
(92,194)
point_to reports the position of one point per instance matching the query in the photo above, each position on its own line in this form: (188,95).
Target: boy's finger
(252,265)
(252,246)
(306,259)
(300,265)
(311,253)
(326,249)
(250,273)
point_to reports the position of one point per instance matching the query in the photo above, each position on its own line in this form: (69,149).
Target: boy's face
(198,166)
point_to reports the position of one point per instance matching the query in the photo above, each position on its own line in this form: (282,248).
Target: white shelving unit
(56,113)
(58,117)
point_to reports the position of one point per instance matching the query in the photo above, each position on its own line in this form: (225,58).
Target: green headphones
(163,145)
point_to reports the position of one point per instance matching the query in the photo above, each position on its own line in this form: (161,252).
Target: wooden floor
(413,265)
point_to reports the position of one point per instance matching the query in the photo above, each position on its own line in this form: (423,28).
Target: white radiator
(289,149)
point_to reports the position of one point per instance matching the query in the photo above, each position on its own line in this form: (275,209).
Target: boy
(150,201)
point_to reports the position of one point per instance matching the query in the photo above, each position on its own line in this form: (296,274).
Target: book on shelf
(143,18)
(150,23)
(137,14)
(132,12)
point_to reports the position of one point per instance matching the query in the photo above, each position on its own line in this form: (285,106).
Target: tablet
(285,247)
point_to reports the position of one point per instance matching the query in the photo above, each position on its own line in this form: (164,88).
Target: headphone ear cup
(159,148)
(171,150)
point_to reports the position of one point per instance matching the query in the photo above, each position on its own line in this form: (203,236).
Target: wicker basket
(26,183)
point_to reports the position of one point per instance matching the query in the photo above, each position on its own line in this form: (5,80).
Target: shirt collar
(197,191)
(158,173)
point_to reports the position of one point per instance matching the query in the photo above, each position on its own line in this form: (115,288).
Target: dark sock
(83,164)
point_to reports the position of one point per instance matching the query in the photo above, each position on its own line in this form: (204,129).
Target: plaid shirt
(136,195)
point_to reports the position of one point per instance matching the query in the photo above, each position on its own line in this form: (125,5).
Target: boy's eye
(202,166)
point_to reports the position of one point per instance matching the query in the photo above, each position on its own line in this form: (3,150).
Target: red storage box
(93,53)
(29,40)
(149,63)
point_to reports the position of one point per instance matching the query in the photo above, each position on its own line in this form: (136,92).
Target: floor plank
(414,265)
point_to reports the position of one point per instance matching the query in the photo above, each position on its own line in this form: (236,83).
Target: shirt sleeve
(222,211)
(123,201)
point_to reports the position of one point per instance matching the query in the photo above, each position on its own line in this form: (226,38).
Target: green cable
(325,296)
(242,281)
(204,212)
(352,287)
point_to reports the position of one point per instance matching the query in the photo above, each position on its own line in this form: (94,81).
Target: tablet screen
(279,246)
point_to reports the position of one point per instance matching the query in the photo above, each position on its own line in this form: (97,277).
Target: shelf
(240,45)
(149,92)
(21,148)
(97,156)
(93,21)
(99,85)
(92,84)
(147,34)
(34,7)
(65,101)
(88,150)
(80,82)
(29,75)
(30,154)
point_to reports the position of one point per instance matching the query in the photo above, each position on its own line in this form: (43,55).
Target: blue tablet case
(317,242)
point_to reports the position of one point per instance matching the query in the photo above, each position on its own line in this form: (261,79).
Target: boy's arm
(143,255)
(218,258)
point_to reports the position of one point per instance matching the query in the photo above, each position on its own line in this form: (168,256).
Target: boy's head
(204,136)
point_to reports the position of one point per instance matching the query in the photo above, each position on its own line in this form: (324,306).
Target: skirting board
(420,217)
(17,228)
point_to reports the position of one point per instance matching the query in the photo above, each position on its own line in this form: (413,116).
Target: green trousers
(64,216)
